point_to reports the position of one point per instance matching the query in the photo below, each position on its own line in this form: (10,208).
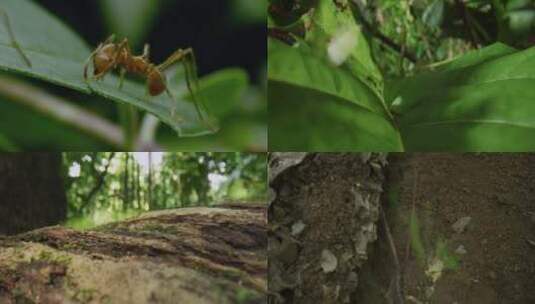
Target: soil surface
(491,260)
(462,225)
(321,221)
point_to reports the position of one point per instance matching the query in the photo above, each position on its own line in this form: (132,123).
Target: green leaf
(58,55)
(300,68)
(434,14)
(315,106)
(303,119)
(132,18)
(483,106)
(478,56)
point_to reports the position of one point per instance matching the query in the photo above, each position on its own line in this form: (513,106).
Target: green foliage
(417,244)
(460,106)
(450,261)
(104,186)
(57,56)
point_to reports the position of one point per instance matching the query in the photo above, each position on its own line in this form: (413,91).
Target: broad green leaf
(315,106)
(303,119)
(300,68)
(58,55)
(478,56)
(132,18)
(487,106)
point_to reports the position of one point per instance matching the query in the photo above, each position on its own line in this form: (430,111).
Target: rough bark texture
(322,218)
(32,192)
(190,255)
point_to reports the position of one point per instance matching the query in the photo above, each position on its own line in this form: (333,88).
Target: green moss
(84,295)
(244,295)
(50,257)
(153,227)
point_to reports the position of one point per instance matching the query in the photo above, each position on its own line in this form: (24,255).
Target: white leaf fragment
(434,271)
(342,44)
(460,225)
(328,261)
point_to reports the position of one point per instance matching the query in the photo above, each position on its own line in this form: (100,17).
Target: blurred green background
(102,187)
(407,36)
(223,33)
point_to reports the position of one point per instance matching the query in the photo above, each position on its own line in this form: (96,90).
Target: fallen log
(189,255)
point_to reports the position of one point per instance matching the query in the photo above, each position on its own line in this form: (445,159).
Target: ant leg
(108,40)
(193,86)
(173,106)
(12,37)
(187,57)
(88,60)
(146,52)
(121,78)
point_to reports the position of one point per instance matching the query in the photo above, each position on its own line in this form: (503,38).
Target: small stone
(460,250)
(353,278)
(298,227)
(492,275)
(460,225)
(328,261)
(429,292)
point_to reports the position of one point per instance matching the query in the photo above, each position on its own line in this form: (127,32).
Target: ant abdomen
(156,82)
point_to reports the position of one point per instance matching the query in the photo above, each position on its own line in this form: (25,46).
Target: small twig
(413,211)
(401,50)
(395,282)
(462,9)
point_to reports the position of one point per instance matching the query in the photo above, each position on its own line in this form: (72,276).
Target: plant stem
(61,110)
(128,118)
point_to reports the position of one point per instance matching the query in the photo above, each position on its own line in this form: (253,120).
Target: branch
(402,50)
(464,12)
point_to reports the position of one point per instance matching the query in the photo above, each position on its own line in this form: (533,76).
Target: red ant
(110,56)
(14,42)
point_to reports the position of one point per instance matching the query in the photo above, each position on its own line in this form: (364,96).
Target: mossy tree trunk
(32,193)
(188,255)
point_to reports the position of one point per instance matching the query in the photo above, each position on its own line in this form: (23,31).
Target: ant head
(156,82)
(104,59)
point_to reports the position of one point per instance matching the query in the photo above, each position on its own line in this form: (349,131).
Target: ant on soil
(14,42)
(110,55)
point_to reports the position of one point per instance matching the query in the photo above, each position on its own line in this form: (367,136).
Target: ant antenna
(12,37)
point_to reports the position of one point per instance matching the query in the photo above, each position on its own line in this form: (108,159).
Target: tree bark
(188,255)
(32,191)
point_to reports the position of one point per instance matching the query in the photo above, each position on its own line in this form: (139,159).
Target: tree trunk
(32,191)
(189,255)
(149,191)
